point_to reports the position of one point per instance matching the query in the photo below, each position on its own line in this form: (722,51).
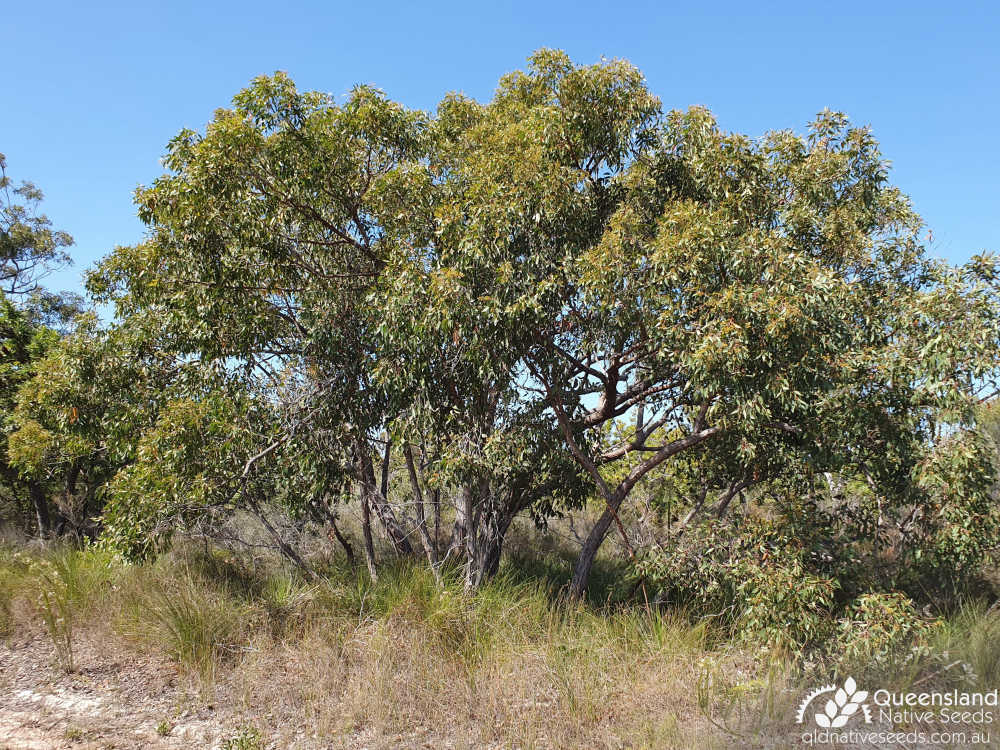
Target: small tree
(30,316)
(23,343)
(76,421)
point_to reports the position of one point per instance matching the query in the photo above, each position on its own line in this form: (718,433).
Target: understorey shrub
(954,529)
(750,578)
(881,629)
(849,565)
(770,582)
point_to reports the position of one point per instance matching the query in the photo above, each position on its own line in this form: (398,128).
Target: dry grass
(505,668)
(410,663)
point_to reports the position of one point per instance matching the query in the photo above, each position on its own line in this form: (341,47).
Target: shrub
(751,578)
(880,629)
(246,738)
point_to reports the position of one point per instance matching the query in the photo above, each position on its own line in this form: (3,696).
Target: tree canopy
(515,306)
(29,247)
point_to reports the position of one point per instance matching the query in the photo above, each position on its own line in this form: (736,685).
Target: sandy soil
(113,700)
(119,699)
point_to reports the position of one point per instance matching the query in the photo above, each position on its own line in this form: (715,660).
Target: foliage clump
(750,578)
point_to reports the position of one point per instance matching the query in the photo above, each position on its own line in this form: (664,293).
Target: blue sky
(93,91)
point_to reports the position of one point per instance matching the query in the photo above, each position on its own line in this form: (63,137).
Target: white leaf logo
(831,709)
(844,704)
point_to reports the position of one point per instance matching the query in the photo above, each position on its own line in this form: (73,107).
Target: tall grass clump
(966,648)
(56,611)
(195,624)
(976,638)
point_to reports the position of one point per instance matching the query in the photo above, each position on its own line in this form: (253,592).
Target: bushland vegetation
(714,387)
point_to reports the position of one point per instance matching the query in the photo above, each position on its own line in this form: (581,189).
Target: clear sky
(93,91)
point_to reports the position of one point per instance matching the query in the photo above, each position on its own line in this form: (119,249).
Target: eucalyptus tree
(76,421)
(766,303)
(460,304)
(772,300)
(29,247)
(281,243)
(30,316)
(562,288)
(265,238)
(23,344)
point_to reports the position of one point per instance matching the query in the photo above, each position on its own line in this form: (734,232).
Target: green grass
(194,625)
(970,637)
(11,577)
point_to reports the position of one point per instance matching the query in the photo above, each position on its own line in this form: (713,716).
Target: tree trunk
(366,532)
(284,547)
(469,512)
(491,547)
(418,501)
(584,563)
(381,506)
(37,493)
(494,520)
(437,518)
(460,528)
(339,536)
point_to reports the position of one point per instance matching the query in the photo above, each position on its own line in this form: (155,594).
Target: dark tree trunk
(437,519)
(37,493)
(284,547)
(366,532)
(338,535)
(494,520)
(383,510)
(491,548)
